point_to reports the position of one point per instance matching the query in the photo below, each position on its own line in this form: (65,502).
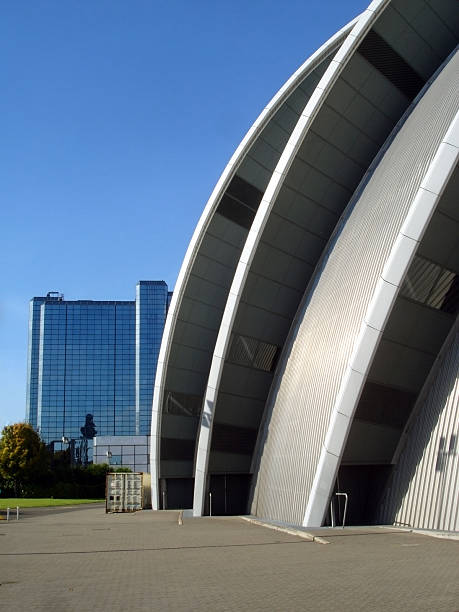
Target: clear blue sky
(116,120)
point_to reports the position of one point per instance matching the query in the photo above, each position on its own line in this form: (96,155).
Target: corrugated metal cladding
(423,490)
(313,363)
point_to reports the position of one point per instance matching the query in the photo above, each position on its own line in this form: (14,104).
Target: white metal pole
(17,513)
(210,503)
(345,509)
(7,514)
(345,506)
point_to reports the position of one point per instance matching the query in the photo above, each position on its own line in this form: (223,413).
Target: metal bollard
(17,513)
(210,503)
(332,513)
(7,514)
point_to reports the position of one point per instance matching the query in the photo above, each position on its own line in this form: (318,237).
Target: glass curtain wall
(92,364)
(152,301)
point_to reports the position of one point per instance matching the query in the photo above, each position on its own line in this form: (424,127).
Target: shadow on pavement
(25,513)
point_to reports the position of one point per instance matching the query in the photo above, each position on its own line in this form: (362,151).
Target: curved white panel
(378,311)
(196,240)
(304,123)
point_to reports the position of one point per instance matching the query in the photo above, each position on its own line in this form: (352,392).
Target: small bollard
(17,513)
(210,503)
(7,514)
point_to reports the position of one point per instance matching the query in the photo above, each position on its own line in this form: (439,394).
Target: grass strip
(12,502)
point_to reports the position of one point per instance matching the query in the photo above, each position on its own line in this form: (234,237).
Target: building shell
(311,346)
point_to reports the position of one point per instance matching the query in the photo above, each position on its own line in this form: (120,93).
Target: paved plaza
(79,558)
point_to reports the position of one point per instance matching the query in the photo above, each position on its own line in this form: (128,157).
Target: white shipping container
(124,492)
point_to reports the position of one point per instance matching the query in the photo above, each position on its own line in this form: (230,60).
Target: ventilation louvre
(240,202)
(385,59)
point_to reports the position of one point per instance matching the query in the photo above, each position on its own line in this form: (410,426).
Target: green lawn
(12,502)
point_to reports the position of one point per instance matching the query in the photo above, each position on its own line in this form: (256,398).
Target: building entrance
(229,494)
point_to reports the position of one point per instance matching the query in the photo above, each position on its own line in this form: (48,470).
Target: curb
(295,532)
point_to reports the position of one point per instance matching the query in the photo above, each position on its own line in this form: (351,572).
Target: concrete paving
(79,558)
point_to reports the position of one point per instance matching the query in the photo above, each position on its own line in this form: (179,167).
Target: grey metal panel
(310,374)
(221,461)
(423,491)
(370,443)
(175,427)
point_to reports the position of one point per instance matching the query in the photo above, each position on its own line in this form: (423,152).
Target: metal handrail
(8,513)
(332,514)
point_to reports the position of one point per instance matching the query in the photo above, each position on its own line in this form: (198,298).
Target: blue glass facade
(152,301)
(94,358)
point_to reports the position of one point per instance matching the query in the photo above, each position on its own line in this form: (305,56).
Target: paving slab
(79,558)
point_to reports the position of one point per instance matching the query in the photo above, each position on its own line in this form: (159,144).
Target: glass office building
(91,364)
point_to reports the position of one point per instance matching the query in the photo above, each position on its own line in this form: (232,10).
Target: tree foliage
(28,468)
(23,456)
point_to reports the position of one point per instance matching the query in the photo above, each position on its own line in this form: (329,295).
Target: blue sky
(116,120)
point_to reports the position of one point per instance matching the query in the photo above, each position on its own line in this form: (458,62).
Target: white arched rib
(379,309)
(267,113)
(344,54)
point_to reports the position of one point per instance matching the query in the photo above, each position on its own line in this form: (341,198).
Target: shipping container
(124,492)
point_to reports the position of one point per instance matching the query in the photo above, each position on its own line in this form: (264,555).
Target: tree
(23,456)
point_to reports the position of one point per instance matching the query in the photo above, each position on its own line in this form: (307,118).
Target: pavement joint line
(296,532)
(137,550)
